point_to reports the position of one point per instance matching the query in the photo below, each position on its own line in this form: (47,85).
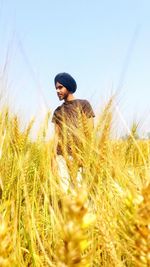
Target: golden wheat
(43,225)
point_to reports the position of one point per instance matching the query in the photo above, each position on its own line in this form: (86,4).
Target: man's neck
(70,98)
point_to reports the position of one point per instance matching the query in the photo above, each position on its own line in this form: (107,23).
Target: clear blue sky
(105,45)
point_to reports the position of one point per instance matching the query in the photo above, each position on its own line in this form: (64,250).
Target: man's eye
(59,87)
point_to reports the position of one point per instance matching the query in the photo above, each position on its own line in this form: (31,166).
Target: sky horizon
(105,46)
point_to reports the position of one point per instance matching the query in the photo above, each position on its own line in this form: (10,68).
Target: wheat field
(100,221)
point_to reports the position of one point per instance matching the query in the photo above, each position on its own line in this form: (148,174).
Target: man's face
(62,91)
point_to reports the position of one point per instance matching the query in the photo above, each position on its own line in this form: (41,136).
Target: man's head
(65,85)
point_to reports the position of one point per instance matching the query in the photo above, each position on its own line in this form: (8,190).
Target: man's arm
(88,118)
(56,135)
(89,127)
(90,122)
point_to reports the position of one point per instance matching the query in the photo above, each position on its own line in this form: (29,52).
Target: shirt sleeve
(87,109)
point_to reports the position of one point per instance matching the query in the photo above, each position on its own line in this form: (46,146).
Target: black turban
(67,81)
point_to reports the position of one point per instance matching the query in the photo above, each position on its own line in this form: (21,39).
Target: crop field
(100,219)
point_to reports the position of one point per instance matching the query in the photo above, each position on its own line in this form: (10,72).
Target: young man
(73,120)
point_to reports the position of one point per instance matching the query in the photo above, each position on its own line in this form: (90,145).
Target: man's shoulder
(57,113)
(83,102)
(58,108)
(86,108)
